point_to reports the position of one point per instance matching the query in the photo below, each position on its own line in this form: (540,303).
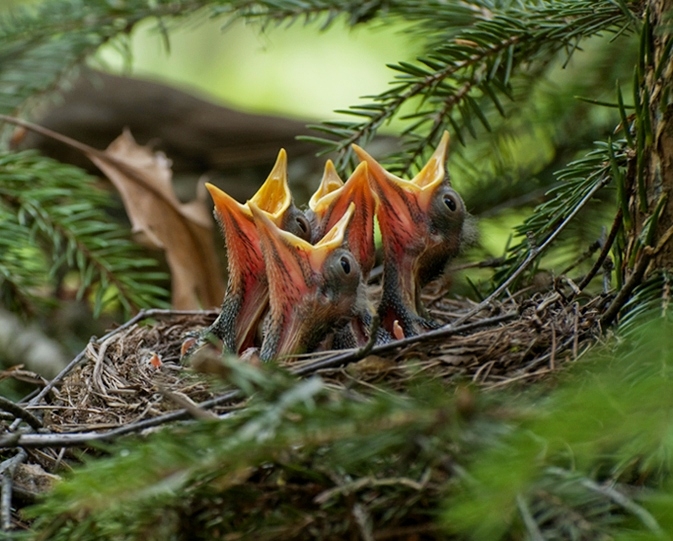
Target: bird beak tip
(434,171)
(334,238)
(274,195)
(329,184)
(224,203)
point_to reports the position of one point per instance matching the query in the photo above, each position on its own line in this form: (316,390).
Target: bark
(659,149)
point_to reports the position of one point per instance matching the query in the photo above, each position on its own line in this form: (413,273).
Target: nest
(132,378)
(134,373)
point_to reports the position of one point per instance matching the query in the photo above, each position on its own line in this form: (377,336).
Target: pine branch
(326,12)
(576,182)
(41,45)
(55,222)
(472,66)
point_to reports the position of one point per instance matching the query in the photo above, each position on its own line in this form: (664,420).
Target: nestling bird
(326,207)
(421,223)
(330,202)
(246,298)
(313,289)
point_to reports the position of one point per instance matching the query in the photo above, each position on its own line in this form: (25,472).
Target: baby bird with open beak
(330,202)
(326,207)
(246,299)
(313,289)
(421,223)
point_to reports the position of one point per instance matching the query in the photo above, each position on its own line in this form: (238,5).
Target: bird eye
(345,264)
(450,203)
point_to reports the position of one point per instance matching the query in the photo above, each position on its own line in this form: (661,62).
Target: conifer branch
(54,221)
(579,181)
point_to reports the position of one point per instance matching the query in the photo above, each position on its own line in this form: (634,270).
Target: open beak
(246,299)
(247,293)
(330,182)
(274,195)
(330,203)
(311,287)
(404,204)
(421,222)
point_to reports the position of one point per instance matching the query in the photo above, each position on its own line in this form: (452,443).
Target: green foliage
(605,433)
(472,53)
(587,459)
(52,221)
(40,44)
(496,74)
(577,182)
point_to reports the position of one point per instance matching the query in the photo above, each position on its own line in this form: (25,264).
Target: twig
(632,507)
(57,379)
(625,292)
(186,403)
(620,499)
(519,378)
(576,338)
(595,245)
(374,329)
(7,469)
(363,521)
(98,366)
(532,528)
(366,482)
(635,279)
(20,413)
(534,253)
(442,332)
(607,245)
(81,438)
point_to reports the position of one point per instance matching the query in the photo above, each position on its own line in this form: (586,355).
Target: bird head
(312,288)
(421,223)
(247,291)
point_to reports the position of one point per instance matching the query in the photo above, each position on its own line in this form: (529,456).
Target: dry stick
(7,469)
(97,375)
(20,413)
(591,250)
(576,338)
(79,438)
(355,355)
(616,224)
(552,356)
(532,255)
(532,528)
(619,498)
(626,503)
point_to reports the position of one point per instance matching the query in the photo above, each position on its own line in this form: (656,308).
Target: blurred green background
(289,70)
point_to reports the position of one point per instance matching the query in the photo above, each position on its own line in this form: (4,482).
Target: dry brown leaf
(160,220)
